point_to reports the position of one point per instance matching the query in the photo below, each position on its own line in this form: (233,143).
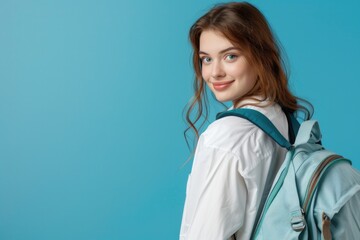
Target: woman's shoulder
(231,132)
(227,126)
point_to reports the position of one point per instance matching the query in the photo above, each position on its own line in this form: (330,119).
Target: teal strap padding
(259,120)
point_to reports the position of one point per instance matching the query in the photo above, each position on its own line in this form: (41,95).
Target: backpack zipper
(316,177)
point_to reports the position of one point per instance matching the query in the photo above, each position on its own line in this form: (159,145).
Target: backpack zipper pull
(326,227)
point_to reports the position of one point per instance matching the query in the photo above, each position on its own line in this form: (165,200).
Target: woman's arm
(216,196)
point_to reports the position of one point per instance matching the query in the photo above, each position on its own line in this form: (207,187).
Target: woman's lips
(219,86)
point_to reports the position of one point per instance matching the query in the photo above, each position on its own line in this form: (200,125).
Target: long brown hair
(246,28)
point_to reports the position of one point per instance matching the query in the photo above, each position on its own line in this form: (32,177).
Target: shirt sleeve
(215,197)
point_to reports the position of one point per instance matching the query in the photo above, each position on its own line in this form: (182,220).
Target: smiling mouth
(222,86)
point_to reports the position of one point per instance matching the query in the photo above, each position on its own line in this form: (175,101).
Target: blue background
(91,99)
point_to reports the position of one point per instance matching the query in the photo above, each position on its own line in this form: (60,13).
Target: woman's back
(234,162)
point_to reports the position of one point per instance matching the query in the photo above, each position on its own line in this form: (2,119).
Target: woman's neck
(251,100)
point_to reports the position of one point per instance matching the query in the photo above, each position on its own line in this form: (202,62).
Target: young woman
(237,58)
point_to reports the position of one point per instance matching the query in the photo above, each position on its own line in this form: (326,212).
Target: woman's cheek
(205,74)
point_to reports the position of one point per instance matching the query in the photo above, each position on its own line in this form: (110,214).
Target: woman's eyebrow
(222,51)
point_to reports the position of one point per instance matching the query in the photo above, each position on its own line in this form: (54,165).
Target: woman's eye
(205,59)
(231,57)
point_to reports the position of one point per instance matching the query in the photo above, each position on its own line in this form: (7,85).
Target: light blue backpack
(315,194)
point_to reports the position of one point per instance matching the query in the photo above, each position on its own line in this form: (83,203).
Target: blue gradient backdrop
(91,99)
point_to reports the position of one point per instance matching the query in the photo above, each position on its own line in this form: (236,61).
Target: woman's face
(225,70)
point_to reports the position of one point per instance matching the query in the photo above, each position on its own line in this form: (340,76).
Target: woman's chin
(222,98)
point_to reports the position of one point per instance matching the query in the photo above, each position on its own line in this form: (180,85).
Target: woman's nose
(217,70)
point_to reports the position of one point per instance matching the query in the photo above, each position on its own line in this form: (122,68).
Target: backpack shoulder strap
(259,120)
(294,125)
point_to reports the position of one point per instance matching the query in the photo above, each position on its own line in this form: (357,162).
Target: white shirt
(232,161)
